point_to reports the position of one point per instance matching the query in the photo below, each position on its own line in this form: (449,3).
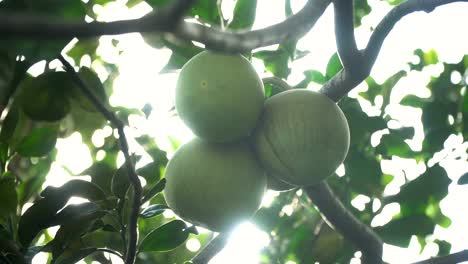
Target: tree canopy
(124,213)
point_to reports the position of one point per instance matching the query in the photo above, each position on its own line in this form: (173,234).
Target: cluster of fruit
(246,143)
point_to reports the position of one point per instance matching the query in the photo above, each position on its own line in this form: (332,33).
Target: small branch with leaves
(133,177)
(348,78)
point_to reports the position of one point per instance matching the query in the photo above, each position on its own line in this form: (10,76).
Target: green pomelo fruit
(275,184)
(219,97)
(302,137)
(214,185)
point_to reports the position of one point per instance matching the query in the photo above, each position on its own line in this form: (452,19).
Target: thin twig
(211,249)
(344,221)
(133,177)
(449,259)
(344,32)
(164,20)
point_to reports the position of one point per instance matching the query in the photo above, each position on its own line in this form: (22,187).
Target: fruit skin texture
(214,185)
(302,137)
(219,96)
(275,184)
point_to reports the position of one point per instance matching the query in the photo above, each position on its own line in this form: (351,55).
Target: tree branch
(293,27)
(345,80)
(133,177)
(164,20)
(344,32)
(29,26)
(388,22)
(449,259)
(211,249)
(346,223)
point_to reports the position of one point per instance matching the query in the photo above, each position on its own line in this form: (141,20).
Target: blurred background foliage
(38,110)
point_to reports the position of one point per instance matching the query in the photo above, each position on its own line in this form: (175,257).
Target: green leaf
(84,47)
(244,14)
(404,132)
(159,156)
(156,3)
(165,237)
(8,246)
(78,212)
(39,142)
(75,255)
(364,172)
(8,197)
(394,145)
(94,84)
(361,9)
(425,59)
(151,172)
(84,122)
(34,177)
(396,2)
(153,210)
(444,247)
(78,188)
(39,216)
(46,97)
(103,239)
(275,61)
(120,182)
(153,191)
(432,184)
(9,124)
(463,179)
(333,66)
(311,76)
(413,101)
(101,173)
(361,125)
(436,125)
(399,231)
(384,89)
(206,10)
(181,53)
(7,67)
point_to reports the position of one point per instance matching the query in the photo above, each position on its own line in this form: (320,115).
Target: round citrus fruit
(219,96)
(302,137)
(214,185)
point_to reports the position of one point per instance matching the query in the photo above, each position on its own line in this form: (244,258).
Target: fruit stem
(280,83)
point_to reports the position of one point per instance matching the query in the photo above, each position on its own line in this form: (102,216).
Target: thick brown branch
(449,259)
(211,249)
(292,28)
(40,27)
(165,20)
(346,223)
(133,177)
(344,33)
